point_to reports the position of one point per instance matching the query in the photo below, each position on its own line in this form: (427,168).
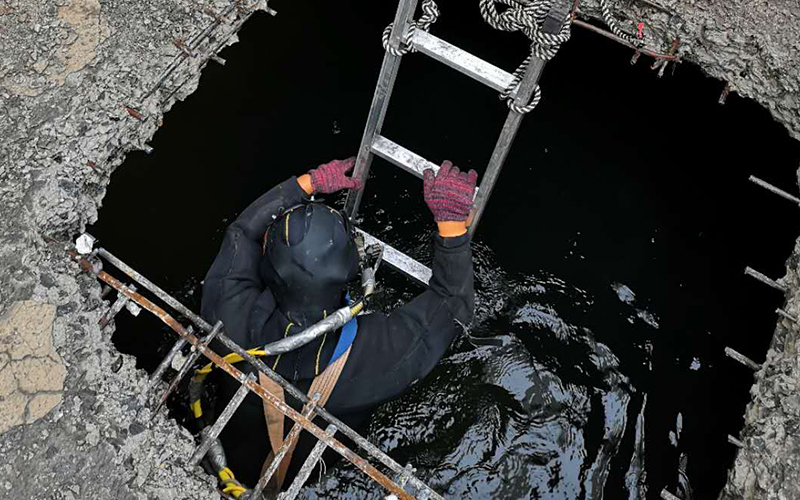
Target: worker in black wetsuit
(284,264)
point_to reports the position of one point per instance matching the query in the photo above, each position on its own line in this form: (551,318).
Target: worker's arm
(233,290)
(392,351)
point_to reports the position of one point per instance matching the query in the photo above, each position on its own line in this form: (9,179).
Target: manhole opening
(623,218)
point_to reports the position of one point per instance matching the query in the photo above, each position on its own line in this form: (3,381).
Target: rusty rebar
(723,96)
(612,36)
(220,362)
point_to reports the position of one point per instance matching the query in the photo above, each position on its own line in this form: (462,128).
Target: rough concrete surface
(752,45)
(768,466)
(70,426)
(69,69)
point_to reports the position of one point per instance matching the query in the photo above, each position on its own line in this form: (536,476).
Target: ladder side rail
(380,103)
(511,126)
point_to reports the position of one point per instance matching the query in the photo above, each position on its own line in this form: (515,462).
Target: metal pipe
(263,368)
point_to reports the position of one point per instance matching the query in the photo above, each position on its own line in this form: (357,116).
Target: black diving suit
(389,353)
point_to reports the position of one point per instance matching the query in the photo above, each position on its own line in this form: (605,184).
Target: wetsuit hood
(310,256)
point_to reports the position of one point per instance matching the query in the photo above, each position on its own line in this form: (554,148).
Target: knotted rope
(527,18)
(430,13)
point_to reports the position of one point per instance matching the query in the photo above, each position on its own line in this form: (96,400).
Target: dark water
(608,264)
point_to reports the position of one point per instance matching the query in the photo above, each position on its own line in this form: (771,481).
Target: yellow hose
(229,483)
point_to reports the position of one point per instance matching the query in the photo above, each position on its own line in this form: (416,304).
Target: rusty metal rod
(308,466)
(283,450)
(263,368)
(155,378)
(612,36)
(215,358)
(221,422)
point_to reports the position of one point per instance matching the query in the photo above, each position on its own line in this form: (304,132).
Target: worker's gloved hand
(329,177)
(449,193)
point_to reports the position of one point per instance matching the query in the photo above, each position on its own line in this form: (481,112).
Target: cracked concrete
(31,371)
(78,91)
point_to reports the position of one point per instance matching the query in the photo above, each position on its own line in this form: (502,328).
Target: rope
(527,18)
(430,13)
(612,24)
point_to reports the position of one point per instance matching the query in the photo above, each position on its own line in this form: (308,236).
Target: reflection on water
(526,405)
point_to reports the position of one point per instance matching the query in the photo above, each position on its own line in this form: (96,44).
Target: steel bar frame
(305,423)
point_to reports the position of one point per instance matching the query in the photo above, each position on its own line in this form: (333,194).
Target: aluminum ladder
(373,143)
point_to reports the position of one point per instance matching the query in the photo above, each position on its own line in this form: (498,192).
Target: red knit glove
(449,194)
(329,177)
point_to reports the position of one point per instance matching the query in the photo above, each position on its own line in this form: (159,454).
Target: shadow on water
(608,265)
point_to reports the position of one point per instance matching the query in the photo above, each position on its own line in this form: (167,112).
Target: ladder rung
(461,60)
(399,260)
(400,156)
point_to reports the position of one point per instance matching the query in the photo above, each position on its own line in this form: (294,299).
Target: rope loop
(528,18)
(430,14)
